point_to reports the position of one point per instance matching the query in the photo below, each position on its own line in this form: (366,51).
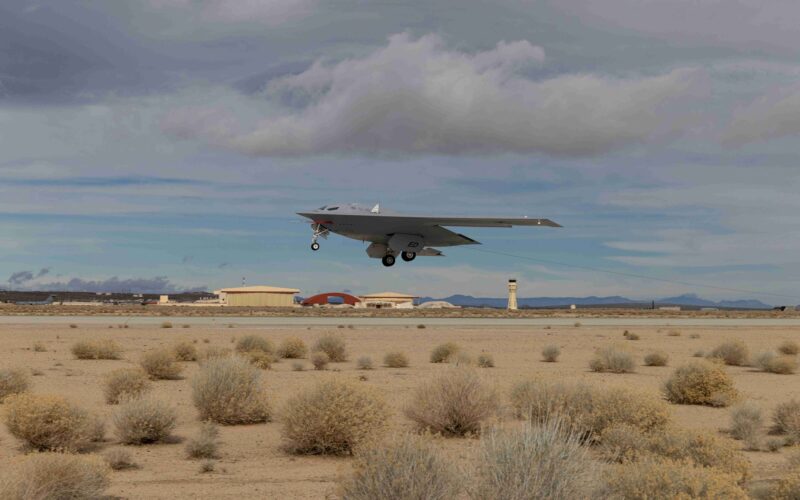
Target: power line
(632,275)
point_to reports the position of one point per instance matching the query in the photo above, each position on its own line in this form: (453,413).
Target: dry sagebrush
(185,351)
(700,383)
(444,352)
(293,348)
(334,346)
(97,349)
(46,422)
(610,359)
(746,424)
(782,365)
(13,381)
(333,418)
(455,404)
(250,343)
(143,421)
(363,363)
(320,361)
(734,353)
(657,358)
(125,383)
(406,467)
(229,391)
(485,360)
(205,444)
(551,353)
(789,348)
(55,476)
(786,419)
(160,364)
(396,359)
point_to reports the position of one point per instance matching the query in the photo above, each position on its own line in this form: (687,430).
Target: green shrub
(455,404)
(551,353)
(334,346)
(143,421)
(228,391)
(444,352)
(333,418)
(407,467)
(13,381)
(160,364)
(612,360)
(700,383)
(293,348)
(125,383)
(55,476)
(48,423)
(395,359)
(733,353)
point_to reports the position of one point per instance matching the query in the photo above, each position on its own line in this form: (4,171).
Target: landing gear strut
(408,256)
(319,230)
(388,260)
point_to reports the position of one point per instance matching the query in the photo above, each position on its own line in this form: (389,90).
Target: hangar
(257,296)
(389,299)
(331,298)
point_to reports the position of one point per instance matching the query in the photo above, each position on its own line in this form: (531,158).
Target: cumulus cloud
(158,284)
(771,116)
(415,96)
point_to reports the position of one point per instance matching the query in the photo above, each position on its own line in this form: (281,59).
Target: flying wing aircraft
(391,234)
(46,302)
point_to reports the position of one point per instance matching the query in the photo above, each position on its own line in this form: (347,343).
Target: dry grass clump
(228,391)
(632,336)
(551,353)
(259,359)
(658,478)
(363,363)
(455,404)
(293,348)
(406,467)
(39,347)
(298,366)
(486,361)
(444,352)
(700,383)
(143,421)
(658,358)
(48,423)
(610,359)
(320,361)
(250,343)
(785,488)
(215,352)
(746,424)
(97,349)
(333,418)
(160,364)
(396,359)
(13,381)
(334,346)
(125,383)
(536,462)
(166,324)
(55,476)
(120,459)
(205,444)
(185,351)
(674,333)
(786,419)
(782,365)
(699,354)
(734,353)
(588,410)
(790,348)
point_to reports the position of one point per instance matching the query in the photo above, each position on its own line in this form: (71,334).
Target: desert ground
(253,463)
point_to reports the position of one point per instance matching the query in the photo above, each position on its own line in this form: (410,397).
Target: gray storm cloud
(158,284)
(414,96)
(771,116)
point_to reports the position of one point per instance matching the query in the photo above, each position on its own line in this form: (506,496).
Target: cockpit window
(333,208)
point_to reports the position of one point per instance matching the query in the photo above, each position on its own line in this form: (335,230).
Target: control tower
(512,295)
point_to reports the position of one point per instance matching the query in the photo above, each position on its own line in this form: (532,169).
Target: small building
(389,300)
(257,296)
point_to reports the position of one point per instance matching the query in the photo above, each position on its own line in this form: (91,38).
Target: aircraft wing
(474,221)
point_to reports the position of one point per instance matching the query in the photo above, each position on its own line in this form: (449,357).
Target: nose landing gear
(319,230)
(315,246)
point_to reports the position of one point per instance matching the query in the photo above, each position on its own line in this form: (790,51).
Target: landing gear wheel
(315,246)
(388,260)
(408,256)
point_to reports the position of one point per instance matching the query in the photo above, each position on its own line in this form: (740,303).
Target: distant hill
(688,299)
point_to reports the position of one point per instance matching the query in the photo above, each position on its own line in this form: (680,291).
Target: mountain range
(688,299)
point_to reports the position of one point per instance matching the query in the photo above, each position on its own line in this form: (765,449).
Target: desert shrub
(259,359)
(333,346)
(657,358)
(700,383)
(790,348)
(250,343)
(774,444)
(455,404)
(96,349)
(536,462)
(612,360)
(785,488)
(782,365)
(746,424)
(701,448)
(298,366)
(421,326)
(623,443)
(320,360)
(13,381)
(733,353)
(654,478)
(444,352)
(229,391)
(205,444)
(588,410)
(407,467)
(293,348)
(185,351)
(486,361)
(551,353)
(786,418)
(55,476)
(215,352)
(160,364)
(120,459)
(125,383)
(674,333)
(699,354)
(166,324)
(144,420)
(395,359)
(48,423)
(39,347)
(461,359)
(333,418)
(694,336)
(633,336)
(365,363)
(207,466)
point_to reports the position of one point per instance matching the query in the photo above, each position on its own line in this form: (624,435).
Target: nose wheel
(315,246)
(408,256)
(388,260)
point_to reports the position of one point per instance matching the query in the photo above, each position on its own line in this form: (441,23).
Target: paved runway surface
(333,321)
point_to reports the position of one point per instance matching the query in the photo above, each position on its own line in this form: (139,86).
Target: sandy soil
(253,464)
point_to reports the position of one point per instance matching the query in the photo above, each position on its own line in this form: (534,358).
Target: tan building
(257,296)
(388,300)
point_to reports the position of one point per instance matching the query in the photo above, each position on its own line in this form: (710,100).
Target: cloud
(20,277)
(158,284)
(774,115)
(43,271)
(269,12)
(414,96)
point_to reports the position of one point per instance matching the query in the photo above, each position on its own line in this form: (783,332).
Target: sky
(165,145)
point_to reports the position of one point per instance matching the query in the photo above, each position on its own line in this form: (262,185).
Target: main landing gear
(408,256)
(388,260)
